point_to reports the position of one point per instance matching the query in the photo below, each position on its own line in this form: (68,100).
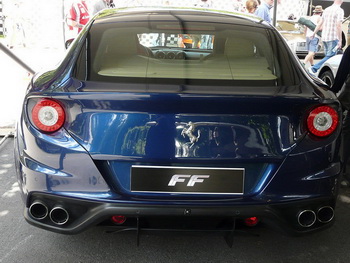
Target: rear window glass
(182,53)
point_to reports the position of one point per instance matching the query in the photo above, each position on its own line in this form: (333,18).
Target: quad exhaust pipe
(59,215)
(307,218)
(325,214)
(39,211)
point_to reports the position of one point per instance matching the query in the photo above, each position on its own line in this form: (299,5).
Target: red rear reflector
(322,121)
(48,115)
(118,219)
(251,221)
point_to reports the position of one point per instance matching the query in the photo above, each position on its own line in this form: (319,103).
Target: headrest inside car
(239,48)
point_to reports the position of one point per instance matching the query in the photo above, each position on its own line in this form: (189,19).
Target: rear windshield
(175,53)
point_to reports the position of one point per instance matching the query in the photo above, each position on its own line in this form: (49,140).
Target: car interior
(230,55)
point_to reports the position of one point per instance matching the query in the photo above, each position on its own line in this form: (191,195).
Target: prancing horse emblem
(188,131)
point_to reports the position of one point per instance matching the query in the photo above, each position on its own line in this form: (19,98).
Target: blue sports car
(174,118)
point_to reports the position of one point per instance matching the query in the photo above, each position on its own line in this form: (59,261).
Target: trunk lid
(125,130)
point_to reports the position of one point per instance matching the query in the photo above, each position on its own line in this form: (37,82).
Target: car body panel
(144,146)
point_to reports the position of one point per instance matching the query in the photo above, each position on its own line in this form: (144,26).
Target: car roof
(138,14)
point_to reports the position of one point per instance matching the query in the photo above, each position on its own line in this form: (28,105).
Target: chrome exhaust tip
(325,214)
(59,215)
(38,210)
(306,218)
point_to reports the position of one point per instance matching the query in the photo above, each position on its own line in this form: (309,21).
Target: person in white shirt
(312,43)
(330,23)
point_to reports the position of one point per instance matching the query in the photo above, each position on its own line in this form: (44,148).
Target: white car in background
(294,33)
(329,69)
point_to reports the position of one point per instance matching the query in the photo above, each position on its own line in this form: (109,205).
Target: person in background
(251,6)
(330,23)
(312,43)
(292,17)
(97,5)
(263,11)
(204,3)
(78,15)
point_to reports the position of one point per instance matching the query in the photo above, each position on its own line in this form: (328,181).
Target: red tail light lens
(48,115)
(322,121)
(116,219)
(251,221)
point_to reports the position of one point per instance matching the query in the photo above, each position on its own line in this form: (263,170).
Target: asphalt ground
(21,242)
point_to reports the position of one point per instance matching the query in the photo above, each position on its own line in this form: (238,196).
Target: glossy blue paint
(110,127)
(113,135)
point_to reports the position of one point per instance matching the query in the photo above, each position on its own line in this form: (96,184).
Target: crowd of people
(82,10)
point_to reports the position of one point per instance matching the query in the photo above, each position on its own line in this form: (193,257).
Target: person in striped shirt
(78,15)
(330,23)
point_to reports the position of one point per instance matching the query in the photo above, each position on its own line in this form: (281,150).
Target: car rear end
(228,132)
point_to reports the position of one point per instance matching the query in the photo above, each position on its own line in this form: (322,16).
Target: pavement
(21,242)
(14,79)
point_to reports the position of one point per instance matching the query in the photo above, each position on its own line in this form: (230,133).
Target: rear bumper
(82,214)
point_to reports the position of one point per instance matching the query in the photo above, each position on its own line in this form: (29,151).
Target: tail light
(322,121)
(117,219)
(48,115)
(251,221)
